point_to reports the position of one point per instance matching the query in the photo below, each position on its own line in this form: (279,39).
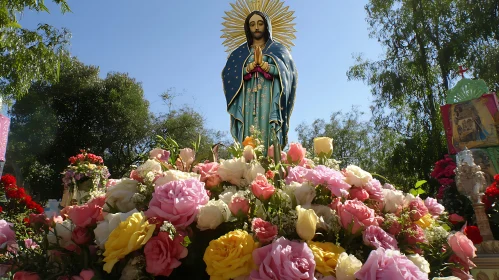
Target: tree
(355,140)
(187,127)
(107,116)
(28,55)
(424,42)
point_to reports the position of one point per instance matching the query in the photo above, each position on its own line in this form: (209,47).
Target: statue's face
(257,26)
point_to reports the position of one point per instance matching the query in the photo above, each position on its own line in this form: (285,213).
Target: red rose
(492,190)
(8,179)
(473,233)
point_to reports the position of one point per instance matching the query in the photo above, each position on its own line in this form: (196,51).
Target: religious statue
(259,77)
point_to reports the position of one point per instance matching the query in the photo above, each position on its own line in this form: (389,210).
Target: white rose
(110,222)
(394,199)
(175,175)
(355,176)
(249,153)
(323,145)
(211,215)
(120,195)
(150,165)
(252,171)
(420,262)
(64,231)
(227,194)
(187,155)
(347,266)
(232,170)
(408,198)
(304,194)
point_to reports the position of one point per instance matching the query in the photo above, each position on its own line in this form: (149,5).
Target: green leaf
(420,183)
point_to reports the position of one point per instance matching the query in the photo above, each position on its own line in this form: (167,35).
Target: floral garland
(249,217)
(85,173)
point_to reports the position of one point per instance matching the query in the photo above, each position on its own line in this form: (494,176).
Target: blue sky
(176,44)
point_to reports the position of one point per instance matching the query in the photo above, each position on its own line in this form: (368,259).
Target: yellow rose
(129,236)
(230,256)
(306,223)
(323,145)
(326,256)
(425,221)
(92,166)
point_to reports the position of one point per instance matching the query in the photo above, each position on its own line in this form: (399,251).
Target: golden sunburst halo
(281,18)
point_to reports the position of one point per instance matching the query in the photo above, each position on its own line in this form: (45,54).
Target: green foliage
(417,190)
(424,43)
(355,140)
(29,55)
(108,116)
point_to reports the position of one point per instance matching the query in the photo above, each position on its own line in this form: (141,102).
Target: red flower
(492,190)
(473,233)
(1,209)
(8,180)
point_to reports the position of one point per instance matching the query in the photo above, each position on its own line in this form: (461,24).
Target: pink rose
(358,193)
(378,238)
(298,174)
(374,189)
(389,264)
(25,275)
(296,153)
(434,208)
(463,272)
(85,215)
(209,174)
(356,215)
(414,234)
(333,179)
(81,235)
(134,174)
(284,259)
(462,246)
(85,274)
(98,201)
(417,209)
(239,206)
(261,188)
(264,231)
(455,218)
(178,201)
(163,254)
(7,235)
(160,154)
(30,244)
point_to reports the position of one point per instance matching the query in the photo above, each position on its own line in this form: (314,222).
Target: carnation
(332,179)
(434,208)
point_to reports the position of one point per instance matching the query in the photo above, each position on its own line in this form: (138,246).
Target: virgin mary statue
(259,82)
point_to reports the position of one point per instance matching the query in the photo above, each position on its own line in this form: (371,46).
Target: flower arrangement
(85,173)
(491,201)
(249,217)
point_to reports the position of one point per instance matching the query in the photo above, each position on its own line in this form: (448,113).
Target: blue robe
(274,99)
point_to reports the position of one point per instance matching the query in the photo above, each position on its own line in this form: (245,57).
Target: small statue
(259,78)
(471,182)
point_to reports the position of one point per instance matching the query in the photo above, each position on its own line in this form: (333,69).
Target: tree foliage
(355,140)
(107,116)
(28,55)
(424,43)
